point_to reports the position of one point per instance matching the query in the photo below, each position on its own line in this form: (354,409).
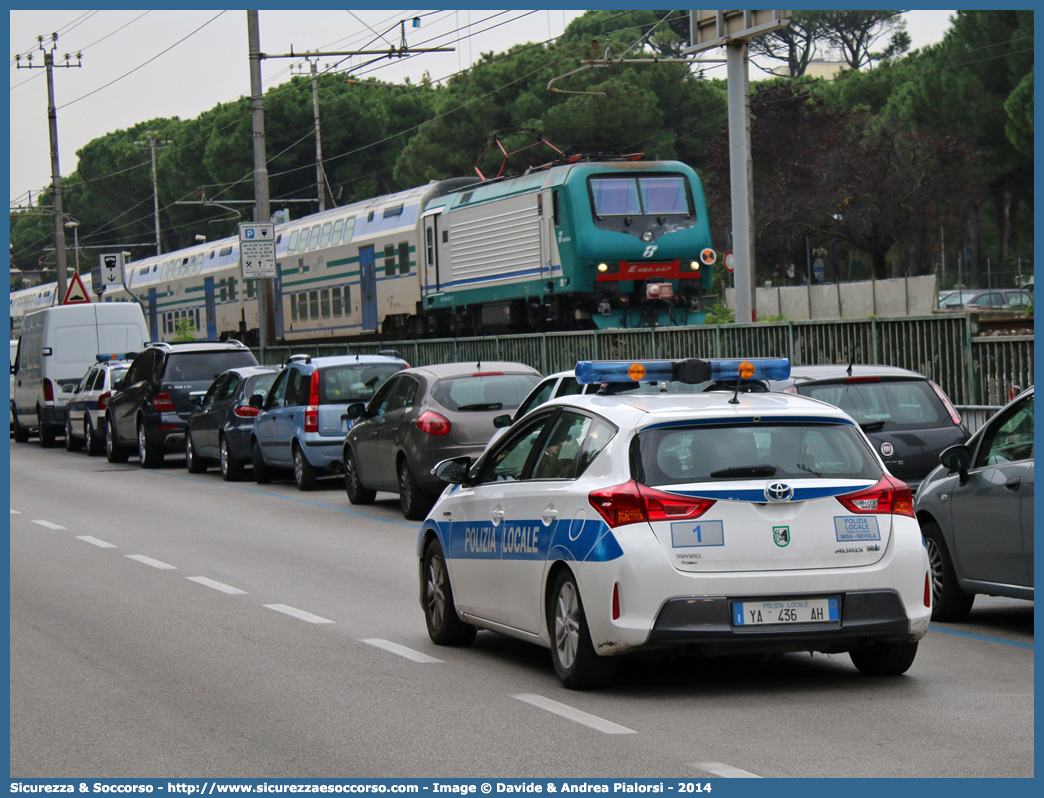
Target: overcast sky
(141,65)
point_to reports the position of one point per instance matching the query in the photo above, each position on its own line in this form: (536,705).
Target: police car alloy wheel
(72,443)
(445,627)
(95,445)
(576,663)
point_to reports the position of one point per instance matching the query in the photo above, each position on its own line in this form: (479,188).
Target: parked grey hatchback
(976,514)
(422,416)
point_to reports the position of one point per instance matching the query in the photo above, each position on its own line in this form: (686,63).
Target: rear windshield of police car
(678,455)
(204,366)
(353,383)
(484,391)
(885,405)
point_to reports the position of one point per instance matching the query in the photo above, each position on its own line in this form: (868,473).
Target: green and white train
(580,244)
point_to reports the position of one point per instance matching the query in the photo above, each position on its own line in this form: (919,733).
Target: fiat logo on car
(886,449)
(779,492)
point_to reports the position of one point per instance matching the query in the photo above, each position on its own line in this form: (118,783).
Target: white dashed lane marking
(202,580)
(401,651)
(149,561)
(725,771)
(296,613)
(15,512)
(101,544)
(48,524)
(573,714)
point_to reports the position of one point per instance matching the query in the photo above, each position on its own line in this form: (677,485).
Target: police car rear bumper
(705,626)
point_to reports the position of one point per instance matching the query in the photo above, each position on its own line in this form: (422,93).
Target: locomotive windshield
(634,196)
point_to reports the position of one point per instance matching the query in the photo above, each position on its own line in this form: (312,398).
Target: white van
(14,349)
(56,347)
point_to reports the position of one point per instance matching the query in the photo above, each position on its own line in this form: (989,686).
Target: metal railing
(972,369)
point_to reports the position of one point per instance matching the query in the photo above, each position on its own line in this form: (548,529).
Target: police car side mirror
(502,421)
(957,458)
(256,400)
(454,471)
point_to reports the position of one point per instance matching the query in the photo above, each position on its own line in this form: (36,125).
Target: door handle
(1013,484)
(497,515)
(548,515)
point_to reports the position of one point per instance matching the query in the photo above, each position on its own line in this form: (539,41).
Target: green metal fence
(972,369)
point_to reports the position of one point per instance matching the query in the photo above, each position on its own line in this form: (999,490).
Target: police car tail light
(312,410)
(246,411)
(632,503)
(954,415)
(432,423)
(888,496)
(48,390)
(103,400)
(163,402)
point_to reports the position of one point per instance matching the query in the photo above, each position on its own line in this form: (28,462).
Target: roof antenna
(855,356)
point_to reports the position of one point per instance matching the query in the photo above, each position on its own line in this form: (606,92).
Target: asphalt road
(168,625)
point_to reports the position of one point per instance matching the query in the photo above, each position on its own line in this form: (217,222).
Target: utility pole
(266,292)
(320,181)
(152,143)
(52,124)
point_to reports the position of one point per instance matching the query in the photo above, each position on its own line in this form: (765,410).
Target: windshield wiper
(809,470)
(745,471)
(486,406)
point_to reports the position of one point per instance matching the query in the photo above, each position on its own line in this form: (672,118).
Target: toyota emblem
(779,492)
(886,449)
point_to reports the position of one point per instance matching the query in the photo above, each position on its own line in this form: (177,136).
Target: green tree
(794,44)
(857,32)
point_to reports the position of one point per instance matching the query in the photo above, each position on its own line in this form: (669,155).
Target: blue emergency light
(689,371)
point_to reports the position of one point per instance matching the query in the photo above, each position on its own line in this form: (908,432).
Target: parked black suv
(152,403)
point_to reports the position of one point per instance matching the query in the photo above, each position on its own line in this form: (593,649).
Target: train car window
(389,260)
(615,196)
(393,210)
(335,236)
(293,308)
(663,195)
(369,216)
(429,241)
(313,305)
(197,318)
(324,236)
(554,208)
(313,238)
(292,244)
(249,288)
(324,302)
(335,300)
(347,300)
(349,228)
(143,270)
(232,288)
(302,306)
(404,257)
(224,291)
(224,251)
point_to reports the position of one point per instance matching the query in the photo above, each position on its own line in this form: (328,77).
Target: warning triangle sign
(76,294)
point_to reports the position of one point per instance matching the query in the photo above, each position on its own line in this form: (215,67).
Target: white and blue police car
(724,522)
(85,412)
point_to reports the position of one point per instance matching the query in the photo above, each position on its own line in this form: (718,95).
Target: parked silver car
(976,514)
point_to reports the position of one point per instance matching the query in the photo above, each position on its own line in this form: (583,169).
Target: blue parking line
(984,638)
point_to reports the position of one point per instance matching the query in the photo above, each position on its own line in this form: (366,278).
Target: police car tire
(148,455)
(445,628)
(21,434)
(414,502)
(114,453)
(949,602)
(193,462)
(262,473)
(567,626)
(353,486)
(305,473)
(884,659)
(94,442)
(231,468)
(72,443)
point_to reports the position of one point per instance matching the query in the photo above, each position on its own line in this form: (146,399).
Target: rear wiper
(872,426)
(809,470)
(745,471)
(486,406)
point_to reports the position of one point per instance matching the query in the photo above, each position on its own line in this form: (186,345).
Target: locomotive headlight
(695,265)
(603,267)
(647,236)
(708,256)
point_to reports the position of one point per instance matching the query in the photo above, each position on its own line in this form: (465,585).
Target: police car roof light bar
(690,370)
